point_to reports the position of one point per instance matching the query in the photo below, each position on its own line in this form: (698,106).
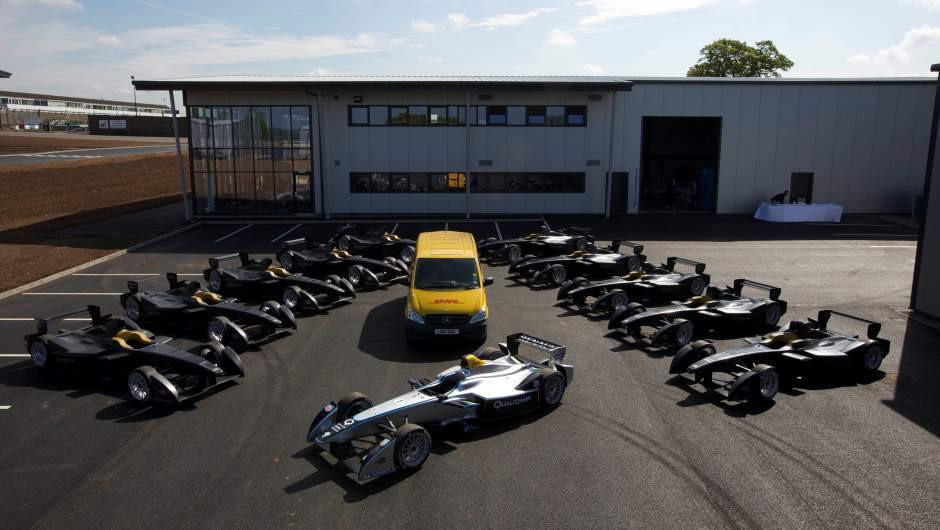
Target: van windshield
(446,273)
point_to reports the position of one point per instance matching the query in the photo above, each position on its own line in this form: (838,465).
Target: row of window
(456,115)
(531,182)
(76,104)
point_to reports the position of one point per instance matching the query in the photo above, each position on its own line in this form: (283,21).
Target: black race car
(651,283)
(322,261)
(377,243)
(724,310)
(545,242)
(259,280)
(595,263)
(187,305)
(155,370)
(756,371)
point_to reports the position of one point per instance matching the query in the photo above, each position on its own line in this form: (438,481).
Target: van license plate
(447,332)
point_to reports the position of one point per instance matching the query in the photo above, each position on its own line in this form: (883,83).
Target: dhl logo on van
(446,301)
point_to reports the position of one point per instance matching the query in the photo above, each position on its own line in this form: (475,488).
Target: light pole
(135,96)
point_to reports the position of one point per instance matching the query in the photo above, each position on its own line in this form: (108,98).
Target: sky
(91,47)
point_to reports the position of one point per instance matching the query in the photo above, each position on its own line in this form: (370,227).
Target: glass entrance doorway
(679,167)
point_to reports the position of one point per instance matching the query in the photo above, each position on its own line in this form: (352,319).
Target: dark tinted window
(495,115)
(398,115)
(359,182)
(417,115)
(438,116)
(378,183)
(554,115)
(535,115)
(378,115)
(577,115)
(359,115)
(400,182)
(515,115)
(419,182)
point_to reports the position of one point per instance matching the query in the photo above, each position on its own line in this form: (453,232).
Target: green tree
(734,58)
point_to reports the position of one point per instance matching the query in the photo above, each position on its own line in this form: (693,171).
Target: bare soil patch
(38,143)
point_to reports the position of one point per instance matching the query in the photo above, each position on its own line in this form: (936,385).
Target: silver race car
(492,384)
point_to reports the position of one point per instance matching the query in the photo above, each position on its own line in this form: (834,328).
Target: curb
(102,259)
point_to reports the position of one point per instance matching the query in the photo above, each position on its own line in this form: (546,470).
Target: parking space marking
(278,238)
(878,235)
(5,407)
(892,246)
(498,232)
(242,229)
(24,319)
(34,293)
(545,222)
(14,355)
(395,228)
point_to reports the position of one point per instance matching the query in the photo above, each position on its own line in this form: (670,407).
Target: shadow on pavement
(916,392)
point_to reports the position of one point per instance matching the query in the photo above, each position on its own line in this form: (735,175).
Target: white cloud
(108,40)
(321,71)
(561,38)
(900,52)
(605,10)
(926,4)
(70,5)
(423,26)
(593,69)
(510,19)
(458,20)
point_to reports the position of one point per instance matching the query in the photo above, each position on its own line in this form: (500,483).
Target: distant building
(27,110)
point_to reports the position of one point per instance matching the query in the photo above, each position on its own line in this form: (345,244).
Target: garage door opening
(679,170)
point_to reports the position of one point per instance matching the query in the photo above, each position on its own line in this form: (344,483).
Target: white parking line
(892,246)
(545,222)
(883,236)
(395,228)
(83,149)
(246,227)
(34,293)
(14,355)
(278,238)
(498,232)
(5,407)
(24,319)
(138,274)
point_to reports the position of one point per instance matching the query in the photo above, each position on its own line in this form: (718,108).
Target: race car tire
(354,275)
(412,446)
(683,332)
(140,384)
(553,389)
(212,352)
(870,359)
(635,308)
(216,281)
(221,329)
(618,299)
(343,242)
(270,307)
(771,315)
(581,244)
(490,353)
(696,286)
(513,253)
(286,260)
(407,254)
(334,279)
(291,297)
(766,385)
(405,267)
(132,307)
(689,355)
(39,354)
(634,263)
(559,274)
(217,329)
(352,404)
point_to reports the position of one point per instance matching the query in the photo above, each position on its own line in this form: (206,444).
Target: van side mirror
(487,281)
(404,280)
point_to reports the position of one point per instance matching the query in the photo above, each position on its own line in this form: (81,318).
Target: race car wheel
(768,383)
(343,243)
(334,279)
(635,308)
(581,244)
(352,404)
(489,353)
(212,352)
(697,286)
(553,389)
(689,355)
(39,354)
(270,307)
(291,297)
(407,254)
(412,446)
(132,308)
(354,275)
(772,315)
(634,263)
(872,357)
(683,332)
(559,274)
(513,252)
(286,260)
(215,281)
(138,384)
(618,299)
(216,330)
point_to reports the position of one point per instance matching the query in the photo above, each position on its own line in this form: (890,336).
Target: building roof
(581,82)
(30,95)
(4,74)
(935,67)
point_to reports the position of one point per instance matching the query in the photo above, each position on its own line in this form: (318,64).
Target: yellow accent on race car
(473,361)
(278,272)
(696,301)
(207,297)
(341,254)
(132,338)
(779,339)
(391,237)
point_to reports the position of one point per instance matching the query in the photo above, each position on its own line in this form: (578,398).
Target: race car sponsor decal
(514,402)
(342,425)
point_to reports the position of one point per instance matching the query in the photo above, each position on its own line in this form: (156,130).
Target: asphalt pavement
(82,154)
(629,446)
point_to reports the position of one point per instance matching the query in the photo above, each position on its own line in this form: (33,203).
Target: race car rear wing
(243,256)
(823,319)
(42,323)
(671,264)
(556,353)
(133,286)
(636,247)
(740,283)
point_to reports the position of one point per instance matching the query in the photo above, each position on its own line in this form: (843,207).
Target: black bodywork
(187,306)
(759,368)
(112,345)
(595,263)
(544,242)
(259,280)
(376,243)
(718,310)
(320,260)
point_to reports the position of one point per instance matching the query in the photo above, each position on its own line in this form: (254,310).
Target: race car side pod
(671,264)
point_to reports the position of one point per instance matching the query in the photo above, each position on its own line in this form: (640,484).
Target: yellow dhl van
(446,295)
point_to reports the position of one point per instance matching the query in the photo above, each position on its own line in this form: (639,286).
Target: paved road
(626,448)
(82,154)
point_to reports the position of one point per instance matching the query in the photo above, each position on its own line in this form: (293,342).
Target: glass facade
(255,160)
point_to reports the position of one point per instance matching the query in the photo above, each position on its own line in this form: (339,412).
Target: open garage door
(679,166)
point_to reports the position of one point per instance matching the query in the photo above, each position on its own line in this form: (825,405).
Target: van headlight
(479,316)
(414,316)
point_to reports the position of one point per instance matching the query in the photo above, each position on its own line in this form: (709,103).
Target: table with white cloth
(799,213)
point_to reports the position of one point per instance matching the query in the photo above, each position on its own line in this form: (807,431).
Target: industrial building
(925,294)
(604,145)
(24,110)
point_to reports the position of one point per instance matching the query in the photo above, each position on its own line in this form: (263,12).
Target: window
(555,116)
(528,183)
(417,115)
(438,116)
(575,115)
(455,115)
(359,182)
(496,115)
(515,115)
(400,182)
(378,115)
(379,182)
(535,115)
(398,115)
(359,115)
